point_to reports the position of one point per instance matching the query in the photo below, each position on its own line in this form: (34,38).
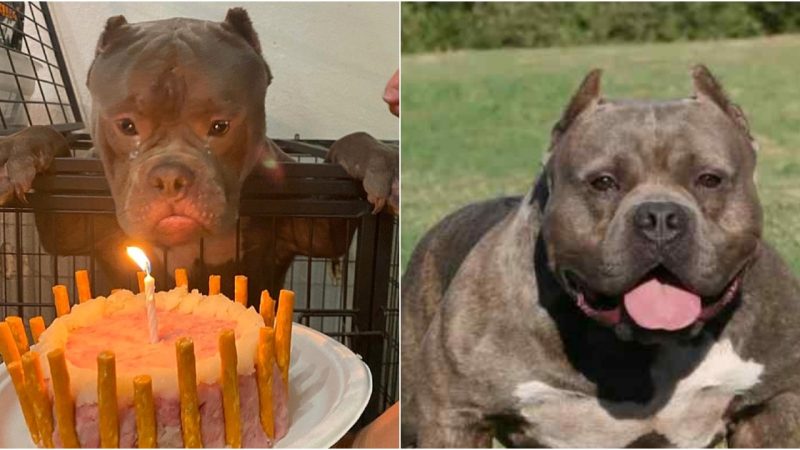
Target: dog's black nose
(171,180)
(660,222)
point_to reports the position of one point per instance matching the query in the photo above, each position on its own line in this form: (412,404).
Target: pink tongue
(657,306)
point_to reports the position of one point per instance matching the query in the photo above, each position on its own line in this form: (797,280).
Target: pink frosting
(128,333)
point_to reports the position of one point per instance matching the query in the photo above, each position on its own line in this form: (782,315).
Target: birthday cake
(213,378)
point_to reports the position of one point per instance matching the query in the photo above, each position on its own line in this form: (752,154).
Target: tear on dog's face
(652,213)
(179,121)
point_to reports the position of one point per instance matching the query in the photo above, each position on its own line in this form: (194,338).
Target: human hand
(391,95)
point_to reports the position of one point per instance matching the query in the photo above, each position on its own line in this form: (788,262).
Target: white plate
(329,389)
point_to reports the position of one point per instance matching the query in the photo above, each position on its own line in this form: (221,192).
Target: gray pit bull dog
(178,119)
(627,300)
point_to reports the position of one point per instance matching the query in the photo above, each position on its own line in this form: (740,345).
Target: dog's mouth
(658,302)
(177,223)
(180,225)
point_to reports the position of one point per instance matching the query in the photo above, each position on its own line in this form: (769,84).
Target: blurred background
(330,61)
(484,83)
(448,26)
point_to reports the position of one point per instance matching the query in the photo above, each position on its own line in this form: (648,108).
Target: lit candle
(141,260)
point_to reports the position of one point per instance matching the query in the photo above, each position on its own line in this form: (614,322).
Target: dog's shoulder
(433,266)
(766,325)
(443,249)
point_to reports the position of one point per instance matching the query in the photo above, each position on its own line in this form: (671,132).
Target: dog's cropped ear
(587,96)
(113,28)
(239,22)
(707,88)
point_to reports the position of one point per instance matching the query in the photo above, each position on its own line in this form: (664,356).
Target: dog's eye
(219,127)
(709,180)
(127,127)
(604,183)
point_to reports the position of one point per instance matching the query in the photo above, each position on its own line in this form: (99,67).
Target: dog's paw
(380,183)
(375,164)
(23,155)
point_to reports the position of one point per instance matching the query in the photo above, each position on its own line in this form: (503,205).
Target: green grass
(475,123)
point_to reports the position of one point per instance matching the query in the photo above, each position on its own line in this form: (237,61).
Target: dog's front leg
(455,428)
(775,424)
(373,163)
(25,154)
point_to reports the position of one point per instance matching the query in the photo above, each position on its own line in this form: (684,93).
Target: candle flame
(138,256)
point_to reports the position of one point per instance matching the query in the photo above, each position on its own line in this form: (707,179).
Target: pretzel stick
(18,379)
(187,384)
(145,411)
(213,284)
(229,379)
(240,289)
(140,279)
(18,331)
(37,327)
(181,278)
(265,362)
(65,406)
(84,290)
(61,299)
(8,347)
(283,333)
(107,409)
(267,309)
(37,393)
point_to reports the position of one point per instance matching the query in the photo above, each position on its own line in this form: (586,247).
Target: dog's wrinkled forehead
(706,126)
(153,63)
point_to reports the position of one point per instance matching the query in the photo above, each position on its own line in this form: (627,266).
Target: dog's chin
(658,306)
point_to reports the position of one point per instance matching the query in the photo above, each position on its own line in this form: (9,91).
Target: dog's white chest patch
(690,415)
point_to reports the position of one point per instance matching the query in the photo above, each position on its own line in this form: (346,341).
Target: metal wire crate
(35,87)
(354,299)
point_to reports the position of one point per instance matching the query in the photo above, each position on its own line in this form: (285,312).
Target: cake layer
(113,324)
(211,418)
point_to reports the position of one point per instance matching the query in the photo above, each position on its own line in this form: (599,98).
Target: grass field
(475,123)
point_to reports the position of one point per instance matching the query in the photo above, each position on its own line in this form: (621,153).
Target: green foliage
(448,26)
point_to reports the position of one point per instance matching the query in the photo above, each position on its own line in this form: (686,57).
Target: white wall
(330,61)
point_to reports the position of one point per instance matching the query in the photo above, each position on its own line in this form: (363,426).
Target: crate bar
(18,256)
(54,238)
(4,214)
(295,146)
(62,64)
(380,294)
(60,127)
(22,32)
(50,70)
(3,120)
(19,52)
(290,170)
(343,292)
(252,188)
(22,13)
(19,86)
(362,293)
(29,77)
(28,102)
(37,78)
(384,236)
(77,203)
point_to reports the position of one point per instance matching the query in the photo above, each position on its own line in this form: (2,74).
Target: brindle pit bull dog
(178,119)
(627,300)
